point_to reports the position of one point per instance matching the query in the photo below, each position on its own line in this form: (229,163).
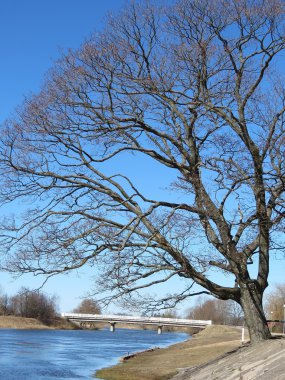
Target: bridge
(84,319)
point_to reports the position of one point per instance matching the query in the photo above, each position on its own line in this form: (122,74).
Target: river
(76,354)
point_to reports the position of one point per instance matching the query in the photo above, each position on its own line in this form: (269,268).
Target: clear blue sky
(32,35)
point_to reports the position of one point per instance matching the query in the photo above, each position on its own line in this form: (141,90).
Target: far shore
(13,322)
(163,364)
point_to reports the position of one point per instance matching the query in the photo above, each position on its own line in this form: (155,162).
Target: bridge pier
(112,326)
(159,330)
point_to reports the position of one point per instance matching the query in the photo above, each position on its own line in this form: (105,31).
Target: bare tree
(208,309)
(234,313)
(275,301)
(34,304)
(195,89)
(219,311)
(5,308)
(88,306)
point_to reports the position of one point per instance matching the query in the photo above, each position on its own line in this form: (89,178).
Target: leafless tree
(5,308)
(219,311)
(275,306)
(88,306)
(34,304)
(193,89)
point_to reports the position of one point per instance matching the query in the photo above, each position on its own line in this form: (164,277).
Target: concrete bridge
(125,319)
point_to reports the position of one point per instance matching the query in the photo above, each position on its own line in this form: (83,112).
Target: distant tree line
(36,304)
(88,306)
(30,304)
(275,307)
(218,311)
(230,313)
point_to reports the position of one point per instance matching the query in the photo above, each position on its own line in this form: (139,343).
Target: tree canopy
(194,86)
(88,306)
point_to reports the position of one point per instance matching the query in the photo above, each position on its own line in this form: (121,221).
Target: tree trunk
(251,302)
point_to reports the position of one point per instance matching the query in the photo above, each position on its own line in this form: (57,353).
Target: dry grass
(11,322)
(163,364)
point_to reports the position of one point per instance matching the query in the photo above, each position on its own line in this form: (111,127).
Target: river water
(77,354)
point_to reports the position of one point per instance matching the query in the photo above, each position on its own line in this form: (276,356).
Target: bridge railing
(135,319)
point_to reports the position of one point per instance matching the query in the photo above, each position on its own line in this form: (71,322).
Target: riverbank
(163,364)
(12,322)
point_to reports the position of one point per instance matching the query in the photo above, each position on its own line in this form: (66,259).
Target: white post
(284,320)
(242,335)
(271,323)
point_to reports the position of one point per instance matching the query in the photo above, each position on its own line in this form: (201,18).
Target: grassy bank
(163,364)
(12,322)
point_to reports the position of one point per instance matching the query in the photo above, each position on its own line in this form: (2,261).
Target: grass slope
(12,322)
(163,364)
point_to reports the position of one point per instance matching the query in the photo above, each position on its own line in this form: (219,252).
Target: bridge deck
(136,320)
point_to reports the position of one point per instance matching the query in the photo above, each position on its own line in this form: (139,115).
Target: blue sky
(33,33)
